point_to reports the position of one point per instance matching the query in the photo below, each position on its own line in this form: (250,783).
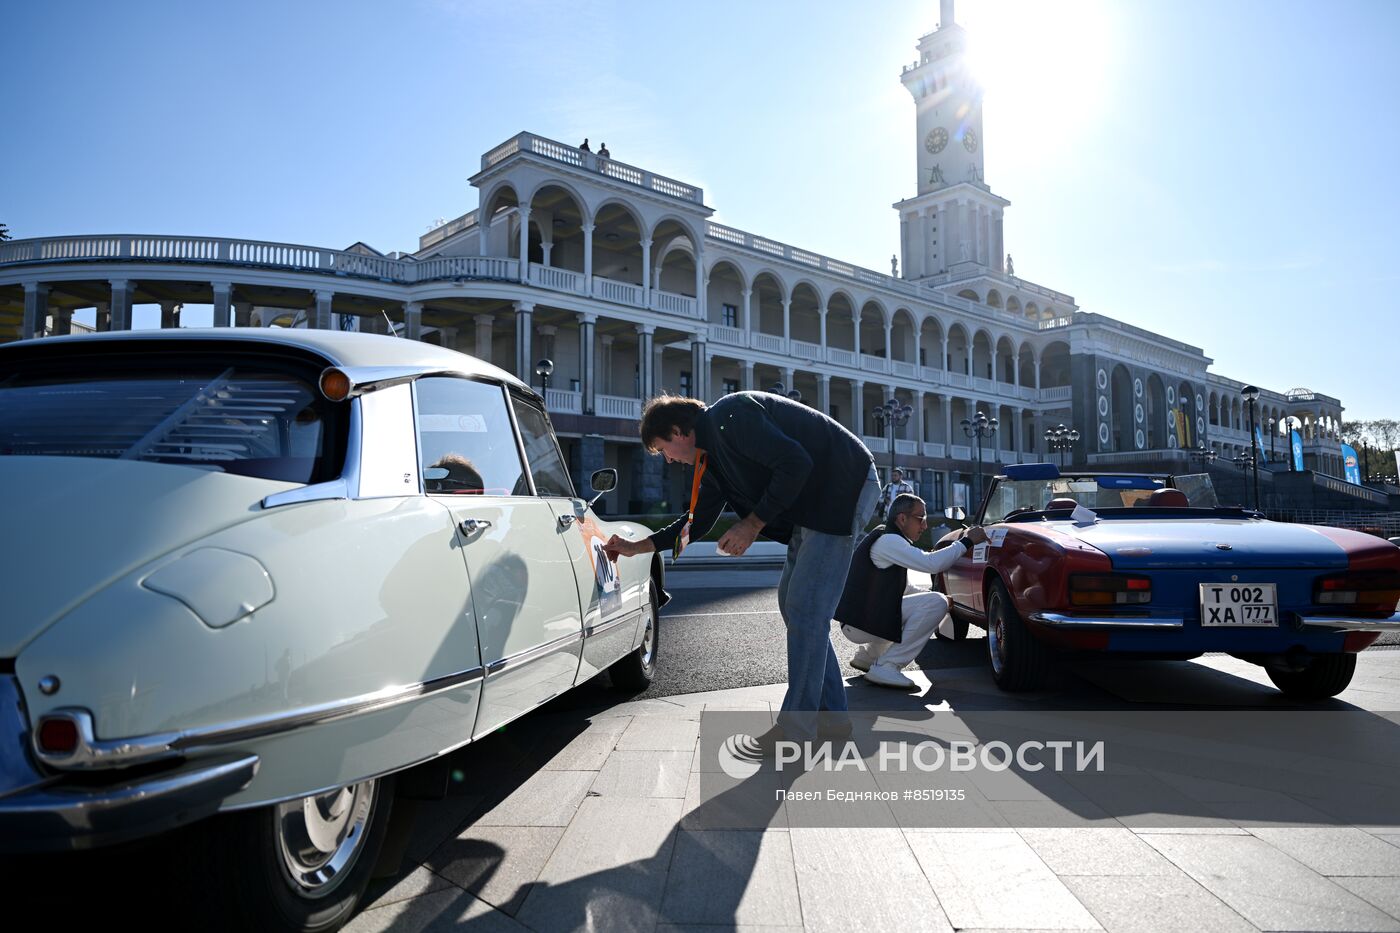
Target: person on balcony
(880,610)
(603,152)
(796,476)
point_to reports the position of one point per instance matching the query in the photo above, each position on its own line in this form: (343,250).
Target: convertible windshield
(1012,497)
(235,419)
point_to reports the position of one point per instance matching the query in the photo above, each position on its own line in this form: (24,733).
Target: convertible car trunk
(1215,543)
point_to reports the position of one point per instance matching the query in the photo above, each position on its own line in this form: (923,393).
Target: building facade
(618,277)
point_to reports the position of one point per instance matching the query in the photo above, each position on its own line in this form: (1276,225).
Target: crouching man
(879,609)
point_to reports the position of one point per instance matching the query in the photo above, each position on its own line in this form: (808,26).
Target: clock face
(970,141)
(935,141)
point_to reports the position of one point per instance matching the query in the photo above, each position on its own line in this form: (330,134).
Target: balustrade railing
(901,368)
(805,350)
(840,357)
(877,445)
(720,333)
(564,280)
(770,342)
(672,303)
(621,292)
(961,452)
(593,162)
(1056,394)
(934,449)
(906,447)
(613,406)
(564,401)
(875,364)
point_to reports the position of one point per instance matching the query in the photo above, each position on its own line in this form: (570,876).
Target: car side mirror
(955,512)
(602,481)
(435,473)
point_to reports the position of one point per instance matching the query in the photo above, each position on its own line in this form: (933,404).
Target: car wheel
(1019,659)
(635,672)
(303,865)
(1325,676)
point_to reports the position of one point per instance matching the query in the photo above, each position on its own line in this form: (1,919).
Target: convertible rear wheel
(304,864)
(635,671)
(1325,676)
(1018,659)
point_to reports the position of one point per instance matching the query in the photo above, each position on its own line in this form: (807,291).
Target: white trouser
(920,613)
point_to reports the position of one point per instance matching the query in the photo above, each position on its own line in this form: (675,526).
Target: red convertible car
(1151,566)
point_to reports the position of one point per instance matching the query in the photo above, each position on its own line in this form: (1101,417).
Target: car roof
(338,348)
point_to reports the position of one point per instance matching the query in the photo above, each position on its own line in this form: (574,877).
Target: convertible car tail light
(58,735)
(1368,591)
(1109,589)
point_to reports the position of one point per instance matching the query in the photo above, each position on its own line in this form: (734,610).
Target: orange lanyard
(683,538)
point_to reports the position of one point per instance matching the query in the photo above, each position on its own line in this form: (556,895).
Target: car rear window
(242,419)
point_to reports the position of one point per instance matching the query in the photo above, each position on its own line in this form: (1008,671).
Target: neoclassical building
(617,276)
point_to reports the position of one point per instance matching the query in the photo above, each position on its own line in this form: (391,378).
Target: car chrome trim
(1391,624)
(1060,620)
(93,753)
(58,817)
(345,486)
(533,654)
(608,626)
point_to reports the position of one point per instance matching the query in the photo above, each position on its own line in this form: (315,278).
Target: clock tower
(954,223)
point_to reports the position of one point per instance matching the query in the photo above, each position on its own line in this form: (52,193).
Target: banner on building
(1183,428)
(1295,441)
(1397,463)
(1259,450)
(1351,465)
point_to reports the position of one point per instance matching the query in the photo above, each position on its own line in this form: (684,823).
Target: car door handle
(470,525)
(565,521)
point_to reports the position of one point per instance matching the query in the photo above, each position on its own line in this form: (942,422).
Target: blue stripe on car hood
(1134,544)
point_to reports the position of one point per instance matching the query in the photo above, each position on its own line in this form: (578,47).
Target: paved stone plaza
(587,815)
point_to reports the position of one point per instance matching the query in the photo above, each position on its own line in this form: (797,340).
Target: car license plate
(1239,604)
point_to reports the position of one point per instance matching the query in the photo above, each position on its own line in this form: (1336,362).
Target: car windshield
(1012,497)
(238,419)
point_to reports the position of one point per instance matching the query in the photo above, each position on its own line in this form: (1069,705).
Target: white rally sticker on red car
(996,536)
(979,553)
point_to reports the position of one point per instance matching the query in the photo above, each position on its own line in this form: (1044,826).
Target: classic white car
(262,571)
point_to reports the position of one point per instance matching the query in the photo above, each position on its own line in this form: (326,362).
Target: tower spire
(945,13)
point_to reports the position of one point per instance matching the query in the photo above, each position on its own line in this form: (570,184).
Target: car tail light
(58,735)
(1109,589)
(1365,591)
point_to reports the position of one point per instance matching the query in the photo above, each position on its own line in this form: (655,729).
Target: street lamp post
(895,415)
(1060,438)
(544,369)
(1271,422)
(979,426)
(1250,394)
(1204,453)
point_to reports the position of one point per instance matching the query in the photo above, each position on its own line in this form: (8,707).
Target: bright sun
(1044,65)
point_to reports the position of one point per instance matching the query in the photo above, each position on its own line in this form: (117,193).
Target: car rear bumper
(1177,635)
(70,812)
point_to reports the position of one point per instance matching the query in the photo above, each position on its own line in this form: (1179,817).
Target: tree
(4,233)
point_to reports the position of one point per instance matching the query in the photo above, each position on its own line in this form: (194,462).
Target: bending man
(795,475)
(879,610)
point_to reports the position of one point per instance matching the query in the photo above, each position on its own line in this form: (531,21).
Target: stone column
(413,320)
(943,360)
(918,351)
(889,348)
(824,393)
(747,384)
(588,259)
(821,314)
(858,418)
(223,295)
(855,320)
(699,369)
(62,321)
(646,273)
(587,324)
(167,314)
(605,374)
(939,244)
(484,326)
(121,304)
(998,245)
(747,324)
(524,333)
(524,213)
(321,316)
(787,321)
(646,360)
(905,247)
(1037,375)
(102,316)
(789,376)
(36,310)
(702,301)
(919,423)
(242,313)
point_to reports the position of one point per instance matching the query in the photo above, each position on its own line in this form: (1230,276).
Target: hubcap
(649,644)
(320,836)
(996,634)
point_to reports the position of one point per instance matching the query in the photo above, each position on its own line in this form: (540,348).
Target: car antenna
(390,322)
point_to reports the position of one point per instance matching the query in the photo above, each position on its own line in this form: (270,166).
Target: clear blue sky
(1221,171)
